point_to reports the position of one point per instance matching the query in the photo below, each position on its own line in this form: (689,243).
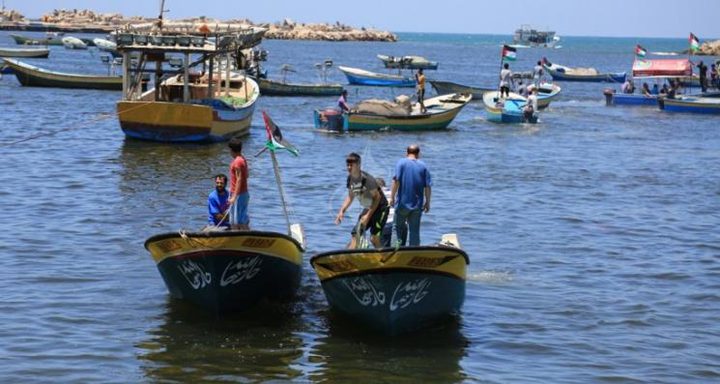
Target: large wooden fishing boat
(200,106)
(395,290)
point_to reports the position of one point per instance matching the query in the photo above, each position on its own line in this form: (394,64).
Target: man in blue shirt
(410,195)
(217,203)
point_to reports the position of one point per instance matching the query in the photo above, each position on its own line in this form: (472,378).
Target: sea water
(593,235)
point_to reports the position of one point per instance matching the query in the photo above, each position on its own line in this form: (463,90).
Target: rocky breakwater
(709,48)
(71,20)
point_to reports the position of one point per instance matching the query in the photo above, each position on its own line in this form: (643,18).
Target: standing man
(239,196)
(410,195)
(342,102)
(420,80)
(375,206)
(218,203)
(538,73)
(702,68)
(505,80)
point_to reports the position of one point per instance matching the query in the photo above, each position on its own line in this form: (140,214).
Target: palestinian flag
(640,51)
(275,139)
(694,43)
(509,53)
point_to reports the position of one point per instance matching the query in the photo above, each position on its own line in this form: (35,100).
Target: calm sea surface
(593,235)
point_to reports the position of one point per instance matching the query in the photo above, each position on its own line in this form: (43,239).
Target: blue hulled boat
(563,73)
(505,110)
(358,76)
(395,290)
(692,104)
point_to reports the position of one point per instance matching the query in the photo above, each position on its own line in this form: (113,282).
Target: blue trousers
(407,220)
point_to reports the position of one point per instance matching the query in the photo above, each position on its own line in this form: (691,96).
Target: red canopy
(662,67)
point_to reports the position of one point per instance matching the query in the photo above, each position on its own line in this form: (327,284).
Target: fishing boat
(39,53)
(407,62)
(278,88)
(227,271)
(32,76)
(270,87)
(187,107)
(691,104)
(358,76)
(106,46)
(655,71)
(529,37)
(71,42)
(373,115)
(446,87)
(24,40)
(547,92)
(506,110)
(395,290)
(563,73)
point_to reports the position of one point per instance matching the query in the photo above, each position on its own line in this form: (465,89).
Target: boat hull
(39,53)
(439,116)
(36,77)
(394,291)
(631,99)
(690,104)
(618,77)
(276,88)
(445,87)
(23,40)
(510,111)
(362,77)
(181,122)
(228,271)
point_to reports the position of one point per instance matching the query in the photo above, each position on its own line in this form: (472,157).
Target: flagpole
(502,51)
(278,180)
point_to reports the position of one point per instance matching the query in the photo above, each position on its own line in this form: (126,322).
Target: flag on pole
(275,139)
(640,51)
(694,43)
(509,53)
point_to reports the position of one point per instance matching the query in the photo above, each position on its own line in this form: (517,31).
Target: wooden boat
(383,115)
(547,92)
(362,77)
(24,40)
(395,290)
(692,104)
(227,270)
(563,73)
(187,108)
(31,76)
(506,110)
(407,62)
(655,71)
(24,52)
(278,88)
(446,87)
(71,42)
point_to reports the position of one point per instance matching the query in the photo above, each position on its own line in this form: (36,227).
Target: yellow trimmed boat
(227,271)
(185,107)
(395,290)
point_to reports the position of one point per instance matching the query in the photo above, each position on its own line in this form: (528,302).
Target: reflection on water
(192,346)
(354,354)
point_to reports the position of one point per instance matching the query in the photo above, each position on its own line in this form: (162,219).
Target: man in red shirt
(239,196)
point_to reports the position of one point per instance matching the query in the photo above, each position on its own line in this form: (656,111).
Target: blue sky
(630,18)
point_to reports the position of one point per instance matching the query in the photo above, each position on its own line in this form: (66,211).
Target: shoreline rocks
(88,21)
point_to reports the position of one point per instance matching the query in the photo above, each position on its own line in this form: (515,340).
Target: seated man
(217,203)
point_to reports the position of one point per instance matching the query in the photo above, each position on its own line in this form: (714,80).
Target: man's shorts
(377,220)
(239,210)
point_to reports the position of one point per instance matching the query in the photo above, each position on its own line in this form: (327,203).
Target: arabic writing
(408,293)
(195,274)
(236,272)
(365,292)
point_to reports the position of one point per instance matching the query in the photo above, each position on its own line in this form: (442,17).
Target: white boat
(531,37)
(73,43)
(106,46)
